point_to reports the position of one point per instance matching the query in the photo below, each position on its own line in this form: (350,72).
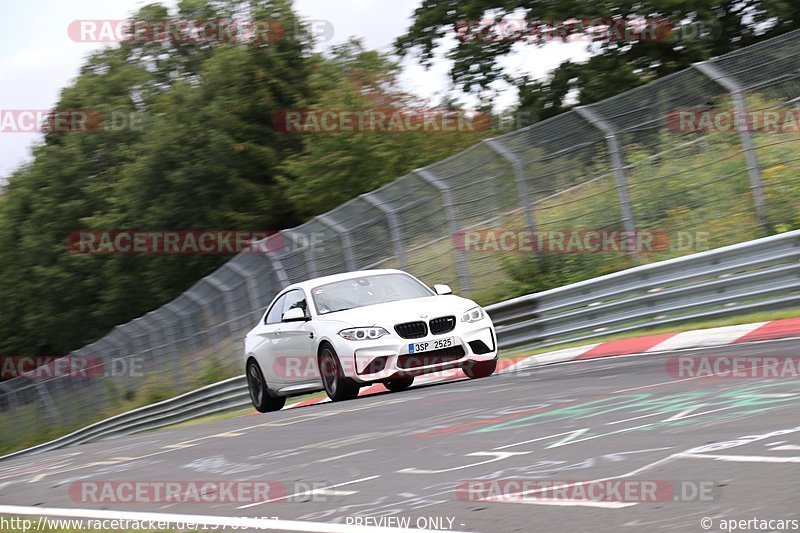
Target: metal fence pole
(615,153)
(308,255)
(520,177)
(277,267)
(394,227)
(253,295)
(174,308)
(204,304)
(344,235)
(47,402)
(736,91)
(230,306)
(450,211)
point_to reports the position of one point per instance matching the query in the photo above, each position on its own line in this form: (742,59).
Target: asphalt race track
(404,455)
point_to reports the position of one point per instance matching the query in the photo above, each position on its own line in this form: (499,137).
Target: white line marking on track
(308,492)
(562,503)
(786,447)
(222,522)
(496,456)
(740,458)
(343,456)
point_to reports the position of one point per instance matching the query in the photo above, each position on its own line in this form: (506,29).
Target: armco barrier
(751,276)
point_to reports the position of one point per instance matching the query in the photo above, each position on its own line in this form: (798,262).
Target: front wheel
(259,394)
(338,387)
(480,369)
(399,384)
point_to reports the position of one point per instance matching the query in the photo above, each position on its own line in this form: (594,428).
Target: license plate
(427,346)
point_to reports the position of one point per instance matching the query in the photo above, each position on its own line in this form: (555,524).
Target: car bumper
(389,357)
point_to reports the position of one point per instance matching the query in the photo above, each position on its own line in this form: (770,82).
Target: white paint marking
(562,503)
(343,456)
(787,448)
(497,456)
(308,492)
(539,439)
(740,458)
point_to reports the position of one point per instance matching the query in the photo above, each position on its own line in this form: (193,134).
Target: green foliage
(700,29)
(203,154)
(335,167)
(694,192)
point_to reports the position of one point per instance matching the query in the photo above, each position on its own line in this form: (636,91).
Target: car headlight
(473,315)
(362,334)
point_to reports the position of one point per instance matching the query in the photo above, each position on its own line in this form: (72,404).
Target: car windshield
(366,290)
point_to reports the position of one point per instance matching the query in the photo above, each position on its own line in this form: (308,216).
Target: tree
(202,155)
(686,31)
(334,167)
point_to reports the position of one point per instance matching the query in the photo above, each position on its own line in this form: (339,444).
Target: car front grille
(443,324)
(434,357)
(412,330)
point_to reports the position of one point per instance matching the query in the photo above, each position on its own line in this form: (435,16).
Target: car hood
(391,313)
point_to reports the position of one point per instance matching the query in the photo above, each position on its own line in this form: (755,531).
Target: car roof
(316,282)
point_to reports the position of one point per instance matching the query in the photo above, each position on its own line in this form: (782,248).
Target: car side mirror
(442,289)
(295,315)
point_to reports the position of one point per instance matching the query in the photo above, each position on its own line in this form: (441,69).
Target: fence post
(521,179)
(230,305)
(709,70)
(205,326)
(450,211)
(394,227)
(347,242)
(280,272)
(615,153)
(47,402)
(181,313)
(253,295)
(308,255)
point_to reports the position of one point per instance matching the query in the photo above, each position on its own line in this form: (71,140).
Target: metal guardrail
(755,275)
(212,399)
(620,163)
(751,276)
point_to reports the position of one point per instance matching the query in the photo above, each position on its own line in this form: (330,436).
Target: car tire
(480,369)
(399,384)
(259,392)
(337,386)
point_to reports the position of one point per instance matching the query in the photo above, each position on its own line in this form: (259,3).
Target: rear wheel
(259,394)
(338,387)
(480,369)
(399,384)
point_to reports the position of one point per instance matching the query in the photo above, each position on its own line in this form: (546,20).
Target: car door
(297,355)
(269,336)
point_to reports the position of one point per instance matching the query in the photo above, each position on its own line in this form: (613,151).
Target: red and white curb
(701,338)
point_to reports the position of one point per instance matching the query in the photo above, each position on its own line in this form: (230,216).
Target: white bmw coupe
(340,333)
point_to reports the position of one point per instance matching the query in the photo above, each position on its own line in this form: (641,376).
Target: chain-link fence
(632,162)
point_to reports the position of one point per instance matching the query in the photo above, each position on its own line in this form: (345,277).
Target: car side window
(276,311)
(295,299)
